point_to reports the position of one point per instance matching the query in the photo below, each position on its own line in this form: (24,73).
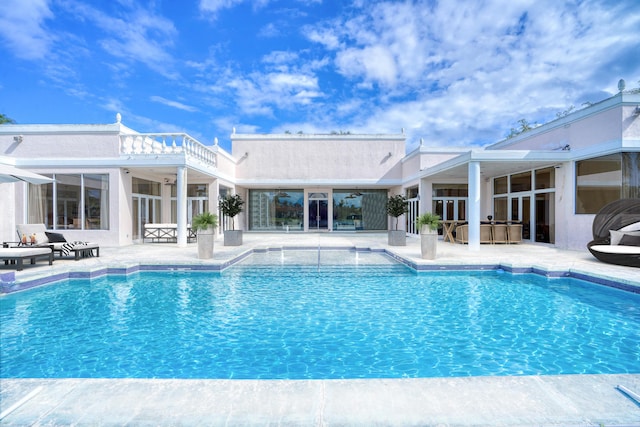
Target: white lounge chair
(18,255)
(57,241)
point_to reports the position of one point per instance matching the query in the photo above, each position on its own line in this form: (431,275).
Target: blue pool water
(361,317)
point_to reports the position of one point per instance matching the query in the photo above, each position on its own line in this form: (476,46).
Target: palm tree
(4,119)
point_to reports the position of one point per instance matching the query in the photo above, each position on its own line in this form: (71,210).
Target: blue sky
(455,73)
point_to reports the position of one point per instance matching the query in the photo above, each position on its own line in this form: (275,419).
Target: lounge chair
(57,241)
(18,255)
(616,233)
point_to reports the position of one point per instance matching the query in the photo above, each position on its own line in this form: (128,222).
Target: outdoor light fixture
(635,112)
(18,139)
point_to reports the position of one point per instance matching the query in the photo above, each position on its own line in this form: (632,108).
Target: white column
(474,206)
(181,195)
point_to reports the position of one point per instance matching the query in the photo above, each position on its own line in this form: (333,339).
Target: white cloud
(463,72)
(214,6)
(23,27)
(137,35)
(174,104)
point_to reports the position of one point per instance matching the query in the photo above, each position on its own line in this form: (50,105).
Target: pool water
(281,316)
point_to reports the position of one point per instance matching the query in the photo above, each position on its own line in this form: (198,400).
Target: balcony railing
(166,143)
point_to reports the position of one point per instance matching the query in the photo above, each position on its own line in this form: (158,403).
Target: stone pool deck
(572,400)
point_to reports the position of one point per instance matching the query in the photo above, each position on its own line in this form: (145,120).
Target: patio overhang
(494,163)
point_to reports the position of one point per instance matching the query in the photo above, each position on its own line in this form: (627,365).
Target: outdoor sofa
(56,241)
(616,233)
(157,232)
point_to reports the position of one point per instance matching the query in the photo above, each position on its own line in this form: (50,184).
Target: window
(545,178)
(72,201)
(411,192)
(598,182)
(449,190)
(500,185)
(521,182)
(197,201)
(500,209)
(359,210)
(276,209)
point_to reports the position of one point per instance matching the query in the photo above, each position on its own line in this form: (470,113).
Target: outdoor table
(448,226)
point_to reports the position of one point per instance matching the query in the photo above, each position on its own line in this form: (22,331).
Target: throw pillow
(55,237)
(630,240)
(616,235)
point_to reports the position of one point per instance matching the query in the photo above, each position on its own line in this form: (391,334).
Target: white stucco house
(109,180)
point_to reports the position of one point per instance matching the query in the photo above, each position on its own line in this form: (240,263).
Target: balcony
(158,144)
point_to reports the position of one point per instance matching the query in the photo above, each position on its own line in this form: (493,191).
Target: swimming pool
(288,316)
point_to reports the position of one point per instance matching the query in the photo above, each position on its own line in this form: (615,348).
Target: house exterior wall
(318,158)
(322,163)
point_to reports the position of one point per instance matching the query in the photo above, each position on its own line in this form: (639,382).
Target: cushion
(630,240)
(55,237)
(616,235)
(41,238)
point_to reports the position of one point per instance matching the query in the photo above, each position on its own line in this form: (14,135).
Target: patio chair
(500,233)
(486,236)
(616,233)
(462,233)
(514,233)
(57,241)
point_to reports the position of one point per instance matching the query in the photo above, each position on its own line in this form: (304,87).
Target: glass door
(318,211)
(146,209)
(521,211)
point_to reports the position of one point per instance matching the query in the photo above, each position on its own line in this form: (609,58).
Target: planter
(428,242)
(397,238)
(233,238)
(205,243)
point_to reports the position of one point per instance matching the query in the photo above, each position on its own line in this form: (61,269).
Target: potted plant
(231,205)
(428,224)
(397,206)
(205,224)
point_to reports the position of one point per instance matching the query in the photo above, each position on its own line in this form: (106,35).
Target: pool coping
(8,283)
(554,400)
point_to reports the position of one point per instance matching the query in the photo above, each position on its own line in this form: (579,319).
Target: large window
(276,210)
(359,210)
(72,201)
(606,179)
(598,182)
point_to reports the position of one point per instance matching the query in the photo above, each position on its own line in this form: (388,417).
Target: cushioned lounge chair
(616,233)
(57,241)
(18,255)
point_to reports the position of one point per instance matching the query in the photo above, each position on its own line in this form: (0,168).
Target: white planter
(233,238)
(428,242)
(397,238)
(205,243)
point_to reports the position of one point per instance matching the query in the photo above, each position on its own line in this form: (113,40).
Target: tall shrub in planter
(205,225)
(231,205)
(428,224)
(396,207)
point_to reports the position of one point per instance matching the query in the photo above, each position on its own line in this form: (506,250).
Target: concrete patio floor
(572,400)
